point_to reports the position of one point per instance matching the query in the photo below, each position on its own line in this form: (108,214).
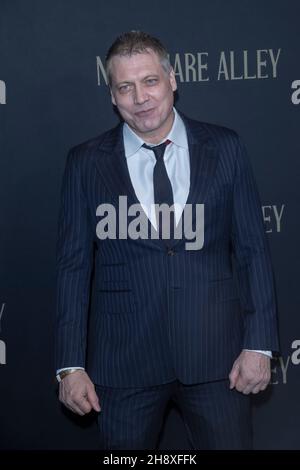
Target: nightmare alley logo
(223,66)
(272,215)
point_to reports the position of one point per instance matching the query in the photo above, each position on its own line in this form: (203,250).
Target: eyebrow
(123,83)
(152,75)
(128,82)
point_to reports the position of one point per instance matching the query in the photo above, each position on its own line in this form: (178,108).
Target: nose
(140,95)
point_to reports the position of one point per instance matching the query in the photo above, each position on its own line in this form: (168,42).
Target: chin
(150,126)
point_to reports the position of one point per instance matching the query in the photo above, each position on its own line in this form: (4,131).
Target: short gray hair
(136,42)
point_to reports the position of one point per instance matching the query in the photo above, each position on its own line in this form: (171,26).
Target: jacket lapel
(114,172)
(203,163)
(112,167)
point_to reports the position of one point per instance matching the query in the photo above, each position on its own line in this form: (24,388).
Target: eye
(124,88)
(151,81)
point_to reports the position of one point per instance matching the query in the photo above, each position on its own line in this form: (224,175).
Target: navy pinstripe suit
(161,314)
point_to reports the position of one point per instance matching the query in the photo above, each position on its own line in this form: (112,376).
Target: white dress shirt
(141,161)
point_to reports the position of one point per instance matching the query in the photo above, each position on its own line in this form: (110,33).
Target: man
(193,325)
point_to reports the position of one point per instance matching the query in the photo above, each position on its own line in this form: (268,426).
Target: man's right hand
(77,392)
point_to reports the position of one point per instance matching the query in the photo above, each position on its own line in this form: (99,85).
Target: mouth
(145,113)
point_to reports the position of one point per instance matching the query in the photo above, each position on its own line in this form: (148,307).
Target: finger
(233,376)
(252,387)
(83,404)
(74,408)
(240,386)
(77,403)
(244,386)
(248,389)
(263,385)
(93,399)
(256,389)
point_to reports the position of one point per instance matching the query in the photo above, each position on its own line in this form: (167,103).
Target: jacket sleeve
(253,262)
(74,262)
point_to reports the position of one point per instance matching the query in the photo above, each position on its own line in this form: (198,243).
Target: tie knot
(158,150)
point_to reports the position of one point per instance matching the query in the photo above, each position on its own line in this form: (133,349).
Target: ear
(173,80)
(112,97)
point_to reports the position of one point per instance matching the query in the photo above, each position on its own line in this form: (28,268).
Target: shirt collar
(177,135)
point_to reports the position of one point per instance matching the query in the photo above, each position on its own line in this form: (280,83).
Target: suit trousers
(215,417)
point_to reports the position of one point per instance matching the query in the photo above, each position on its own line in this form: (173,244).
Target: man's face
(143,93)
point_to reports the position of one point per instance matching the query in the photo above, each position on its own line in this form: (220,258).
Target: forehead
(135,67)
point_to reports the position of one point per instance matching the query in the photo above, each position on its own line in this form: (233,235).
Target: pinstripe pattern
(131,418)
(159,316)
(215,417)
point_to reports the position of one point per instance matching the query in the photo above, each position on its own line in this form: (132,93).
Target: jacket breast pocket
(115,297)
(113,272)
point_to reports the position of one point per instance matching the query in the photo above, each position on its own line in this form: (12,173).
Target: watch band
(61,375)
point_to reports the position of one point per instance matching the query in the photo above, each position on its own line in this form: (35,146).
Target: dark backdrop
(237,64)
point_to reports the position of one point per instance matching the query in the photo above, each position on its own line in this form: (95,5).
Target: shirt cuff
(266,353)
(68,368)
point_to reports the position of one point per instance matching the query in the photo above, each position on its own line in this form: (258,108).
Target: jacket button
(171,252)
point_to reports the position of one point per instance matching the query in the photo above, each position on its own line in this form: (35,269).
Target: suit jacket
(162,314)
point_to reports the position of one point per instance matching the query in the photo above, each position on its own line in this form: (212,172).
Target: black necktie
(163,193)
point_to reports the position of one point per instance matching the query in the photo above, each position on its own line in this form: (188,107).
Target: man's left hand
(251,372)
